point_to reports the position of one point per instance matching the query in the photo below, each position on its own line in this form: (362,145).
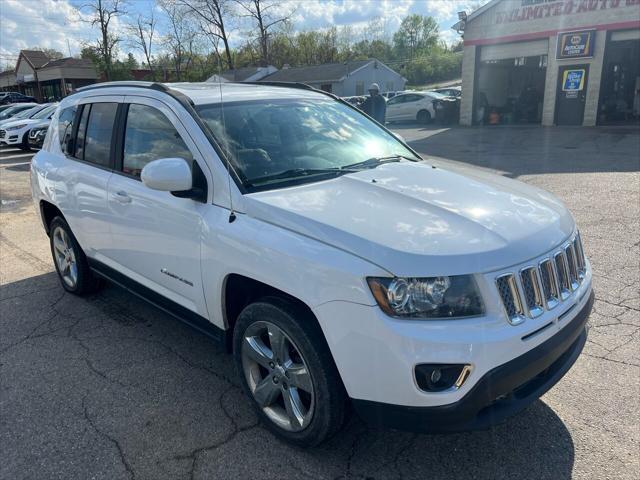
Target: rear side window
(65,129)
(97,138)
(149,135)
(82,127)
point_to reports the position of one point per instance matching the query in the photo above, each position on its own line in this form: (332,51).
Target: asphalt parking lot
(107,387)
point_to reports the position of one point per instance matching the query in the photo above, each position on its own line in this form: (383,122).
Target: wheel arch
(238,291)
(48,211)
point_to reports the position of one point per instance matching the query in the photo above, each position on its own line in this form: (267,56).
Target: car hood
(10,122)
(41,123)
(413,219)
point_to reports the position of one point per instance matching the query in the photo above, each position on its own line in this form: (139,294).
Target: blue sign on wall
(573,80)
(576,44)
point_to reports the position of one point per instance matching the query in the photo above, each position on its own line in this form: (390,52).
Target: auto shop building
(553,62)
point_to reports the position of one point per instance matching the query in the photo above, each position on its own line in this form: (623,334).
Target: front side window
(299,139)
(97,141)
(149,136)
(65,129)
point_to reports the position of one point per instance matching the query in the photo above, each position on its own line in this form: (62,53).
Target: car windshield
(27,113)
(45,112)
(299,140)
(11,110)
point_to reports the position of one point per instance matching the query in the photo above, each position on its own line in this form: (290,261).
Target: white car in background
(15,132)
(412,106)
(13,110)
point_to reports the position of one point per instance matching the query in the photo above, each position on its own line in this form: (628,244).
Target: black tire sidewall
(423,117)
(330,397)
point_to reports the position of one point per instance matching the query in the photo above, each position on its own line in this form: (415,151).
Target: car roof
(209,92)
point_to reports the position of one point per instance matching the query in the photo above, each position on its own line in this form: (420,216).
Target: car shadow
(167,395)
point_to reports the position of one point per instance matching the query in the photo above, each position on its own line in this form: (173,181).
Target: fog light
(439,377)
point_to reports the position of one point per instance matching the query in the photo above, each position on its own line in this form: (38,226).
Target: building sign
(573,80)
(537,9)
(576,44)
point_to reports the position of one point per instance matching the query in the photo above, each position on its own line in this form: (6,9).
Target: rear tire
(70,261)
(280,349)
(423,117)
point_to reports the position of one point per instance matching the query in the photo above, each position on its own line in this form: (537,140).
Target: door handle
(122,197)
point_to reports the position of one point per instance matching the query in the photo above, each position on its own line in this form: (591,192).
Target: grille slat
(531,290)
(542,287)
(549,283)
(582,264)
(573,266)
(510,298)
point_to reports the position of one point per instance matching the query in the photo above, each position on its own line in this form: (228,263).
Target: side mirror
(167,175)
(399,137)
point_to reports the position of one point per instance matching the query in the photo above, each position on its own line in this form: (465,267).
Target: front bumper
(500,393)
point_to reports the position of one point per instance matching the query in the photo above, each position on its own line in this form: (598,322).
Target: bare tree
(262,12)
(142,33)
(213,15)
(180,33)
(102,13)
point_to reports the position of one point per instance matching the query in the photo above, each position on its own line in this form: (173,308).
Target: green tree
(416,33)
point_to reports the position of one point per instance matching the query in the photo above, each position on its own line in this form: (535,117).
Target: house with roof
(39,76)
(344,79)
(247,74)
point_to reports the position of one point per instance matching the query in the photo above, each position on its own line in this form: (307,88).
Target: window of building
(97,142)
(326,87)
(65,129)
(359,88)
(149,136)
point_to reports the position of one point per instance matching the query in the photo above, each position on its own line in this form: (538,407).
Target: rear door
(155,236)
(394,108)
(85,133)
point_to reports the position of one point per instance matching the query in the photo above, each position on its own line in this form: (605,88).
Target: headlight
(17,127)
(434,297)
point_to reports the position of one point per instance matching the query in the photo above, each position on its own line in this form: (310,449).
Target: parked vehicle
(37,134)
(389,95)
(413,106)
(450,91)
(14,110)
(15,97)
(336,264)
(356,101)
(447,110)
(15,131)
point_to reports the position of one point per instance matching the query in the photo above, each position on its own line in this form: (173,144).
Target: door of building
(571,94)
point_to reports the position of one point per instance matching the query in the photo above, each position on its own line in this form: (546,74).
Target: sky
(62,25)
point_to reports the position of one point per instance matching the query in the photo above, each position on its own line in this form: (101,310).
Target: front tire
(423,117)
(25,143)
(70,261)
(287,370)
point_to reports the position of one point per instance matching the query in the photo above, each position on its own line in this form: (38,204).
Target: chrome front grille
(543,286)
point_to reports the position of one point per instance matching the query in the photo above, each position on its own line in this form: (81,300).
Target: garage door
(514,50)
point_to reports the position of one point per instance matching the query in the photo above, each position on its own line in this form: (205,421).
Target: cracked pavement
(105,386)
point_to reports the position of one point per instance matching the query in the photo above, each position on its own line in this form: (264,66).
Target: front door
(572,93)
(155,236)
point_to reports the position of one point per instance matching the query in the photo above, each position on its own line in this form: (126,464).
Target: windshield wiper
(297,173)
(375,161)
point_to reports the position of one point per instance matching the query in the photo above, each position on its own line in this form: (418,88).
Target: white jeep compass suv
(340,268)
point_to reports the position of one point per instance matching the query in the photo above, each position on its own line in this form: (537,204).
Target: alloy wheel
(65,257)
(277,376)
